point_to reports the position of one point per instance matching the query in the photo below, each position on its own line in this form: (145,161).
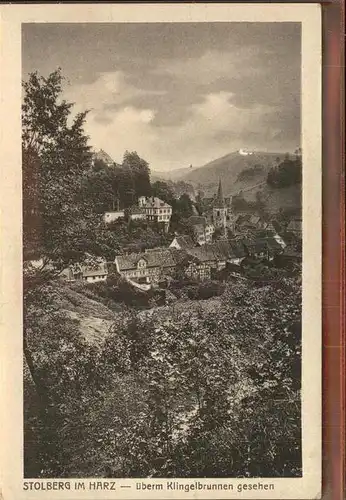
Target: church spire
(220,201)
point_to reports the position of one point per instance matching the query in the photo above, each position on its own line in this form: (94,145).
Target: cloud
(178,93)
(195,119)
(215,122)
(126,129)
(108,91)
(212,65)
(219,123)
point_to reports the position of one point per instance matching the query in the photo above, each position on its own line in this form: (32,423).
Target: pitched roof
(155,258)
(198,228)
(254,219)
(243,218)
(154,202)
(219,200)
(257,244)
(95,272)
(220,250)
(184,241)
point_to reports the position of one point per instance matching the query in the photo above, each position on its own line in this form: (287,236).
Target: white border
(12,16)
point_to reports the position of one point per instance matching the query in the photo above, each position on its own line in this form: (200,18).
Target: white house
(156,210)
(87,274)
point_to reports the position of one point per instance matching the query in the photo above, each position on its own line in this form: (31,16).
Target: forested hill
(236,170)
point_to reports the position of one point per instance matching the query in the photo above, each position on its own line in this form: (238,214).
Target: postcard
(161,251)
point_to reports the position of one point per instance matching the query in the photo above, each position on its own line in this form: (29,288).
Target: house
(262,246)
(149,266)
(251,222)
(87,274)
(238,252)
(202,228)
(213,257)
(274,225)
(199,234)
(94,275)
(156,210)
(269,235)
(197,268)
(110,217)
(182,242)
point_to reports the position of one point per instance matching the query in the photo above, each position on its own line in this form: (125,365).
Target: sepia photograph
(163,220)
(162,228)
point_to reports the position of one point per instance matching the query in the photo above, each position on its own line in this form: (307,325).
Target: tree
(199,202)
(99,188)
(185,206)
(56,213)
(164,191)
(286,173)
(140,173)
(56,157)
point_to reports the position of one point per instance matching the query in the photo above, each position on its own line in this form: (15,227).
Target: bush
(116,290)
(196,290)
(288,173)
(209,289)
(174,393)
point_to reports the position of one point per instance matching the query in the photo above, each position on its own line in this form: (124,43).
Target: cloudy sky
(177,93)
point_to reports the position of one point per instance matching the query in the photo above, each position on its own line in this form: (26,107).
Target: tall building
(220,210)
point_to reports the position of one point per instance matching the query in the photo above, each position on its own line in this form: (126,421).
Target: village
(220,243)
(161,253)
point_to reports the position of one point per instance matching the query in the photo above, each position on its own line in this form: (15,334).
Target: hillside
(246,174)
(288,198)
(171,175)
(230,169)
(92,317)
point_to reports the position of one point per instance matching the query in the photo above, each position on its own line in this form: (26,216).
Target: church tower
(220,211)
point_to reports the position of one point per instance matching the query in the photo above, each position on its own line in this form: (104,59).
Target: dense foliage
(119,186)
(56,158)
(250,173)
(172,393)
(287,173)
